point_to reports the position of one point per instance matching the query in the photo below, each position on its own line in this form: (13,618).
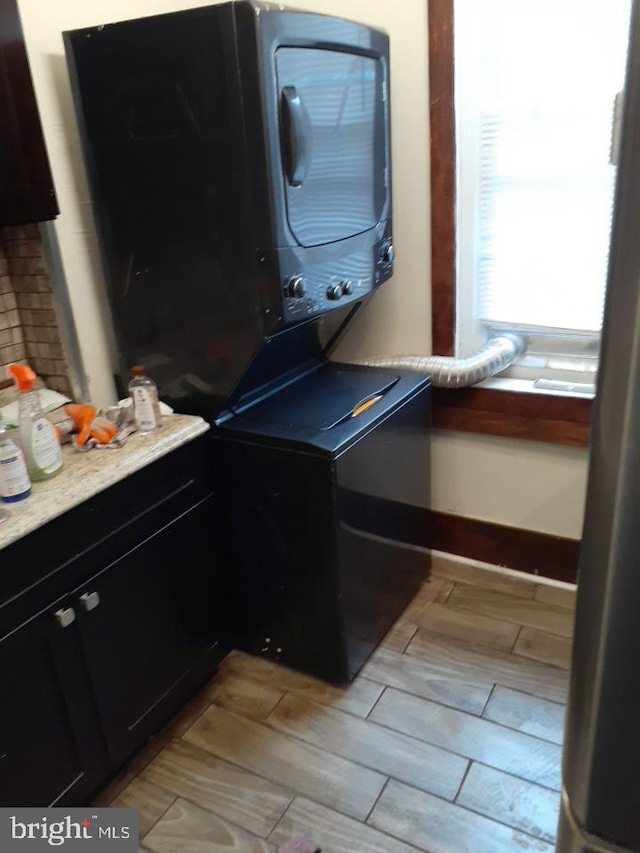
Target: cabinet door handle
(65,616)
(89,600)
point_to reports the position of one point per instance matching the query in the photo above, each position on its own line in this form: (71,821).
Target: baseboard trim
(528,551)
(457,560)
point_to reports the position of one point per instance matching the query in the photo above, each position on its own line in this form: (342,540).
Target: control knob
(334,291)
(295,287)
(346,288)
(387,254)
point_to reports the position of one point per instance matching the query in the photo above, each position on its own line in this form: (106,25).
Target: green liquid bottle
(36,433)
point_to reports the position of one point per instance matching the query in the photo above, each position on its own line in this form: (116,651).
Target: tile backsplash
(28,322)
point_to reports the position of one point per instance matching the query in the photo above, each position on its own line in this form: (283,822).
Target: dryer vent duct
(449,372)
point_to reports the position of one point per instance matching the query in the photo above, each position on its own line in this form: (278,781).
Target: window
(551,415)
(535,83)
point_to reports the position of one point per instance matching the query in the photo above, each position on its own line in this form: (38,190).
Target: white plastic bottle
(36,433)
(144,394)
(15,484)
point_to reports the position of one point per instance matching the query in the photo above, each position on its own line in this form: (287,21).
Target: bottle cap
(24,376)
(138,370)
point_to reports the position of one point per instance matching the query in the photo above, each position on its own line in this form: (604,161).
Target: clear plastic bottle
(144,394)
(36,433)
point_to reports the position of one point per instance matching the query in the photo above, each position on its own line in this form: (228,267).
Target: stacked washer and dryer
(239,161)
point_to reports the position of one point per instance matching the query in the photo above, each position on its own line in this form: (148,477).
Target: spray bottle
(37,434)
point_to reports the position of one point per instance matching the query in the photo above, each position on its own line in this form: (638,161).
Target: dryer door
(332,108)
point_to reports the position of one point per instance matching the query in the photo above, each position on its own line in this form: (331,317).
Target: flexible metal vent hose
(449,372)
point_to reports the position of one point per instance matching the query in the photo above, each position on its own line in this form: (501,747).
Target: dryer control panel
(323,287)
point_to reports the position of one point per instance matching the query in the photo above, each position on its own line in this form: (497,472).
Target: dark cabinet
(49,750)
(111,635)
(27,193)
(146,623)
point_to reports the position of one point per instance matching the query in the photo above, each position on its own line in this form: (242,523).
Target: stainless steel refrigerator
(601,763)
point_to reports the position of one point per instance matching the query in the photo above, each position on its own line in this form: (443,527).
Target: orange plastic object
(365,405)
(82,415)
(102,430)
(24,376)
(80,412)
(90,425)
(84,433)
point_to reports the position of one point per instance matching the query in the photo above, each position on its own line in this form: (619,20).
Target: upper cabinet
(27,193)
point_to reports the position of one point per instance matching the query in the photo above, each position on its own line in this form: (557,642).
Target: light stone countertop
(85,474)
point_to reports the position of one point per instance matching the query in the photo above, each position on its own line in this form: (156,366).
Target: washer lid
(326,398)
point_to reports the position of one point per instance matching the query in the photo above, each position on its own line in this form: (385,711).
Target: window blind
(535,87)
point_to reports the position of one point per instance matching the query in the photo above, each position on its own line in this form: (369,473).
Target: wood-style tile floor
(449,741)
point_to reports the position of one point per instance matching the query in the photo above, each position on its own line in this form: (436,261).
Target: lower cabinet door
(148,628)
(51,748)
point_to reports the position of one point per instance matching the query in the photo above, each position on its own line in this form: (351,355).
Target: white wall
(524,484)
(508,481)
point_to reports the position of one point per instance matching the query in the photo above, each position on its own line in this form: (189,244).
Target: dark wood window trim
(540,417)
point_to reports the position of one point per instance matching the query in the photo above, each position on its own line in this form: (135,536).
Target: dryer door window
(332,108)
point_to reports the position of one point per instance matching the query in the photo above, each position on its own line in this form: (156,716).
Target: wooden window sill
(548,418)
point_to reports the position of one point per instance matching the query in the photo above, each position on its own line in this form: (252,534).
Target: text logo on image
(29,829)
